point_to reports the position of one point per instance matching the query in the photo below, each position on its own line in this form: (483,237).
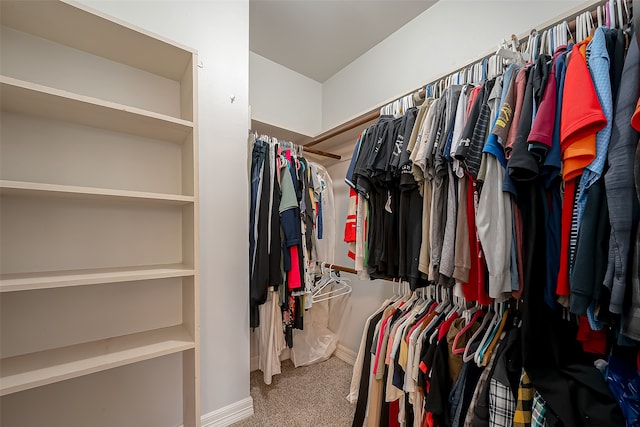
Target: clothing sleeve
(621,197)
(540,137)
(494,223)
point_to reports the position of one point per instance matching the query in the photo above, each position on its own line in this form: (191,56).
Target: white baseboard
(229,414)
(345,354)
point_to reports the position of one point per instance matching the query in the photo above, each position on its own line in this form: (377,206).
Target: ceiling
(318,38)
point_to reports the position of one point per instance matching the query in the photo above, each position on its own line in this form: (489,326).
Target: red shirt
(582,115)
(635,119)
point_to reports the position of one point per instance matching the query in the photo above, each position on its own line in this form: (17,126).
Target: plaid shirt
(480,385)
(522,416)
(538,412)
(502,404)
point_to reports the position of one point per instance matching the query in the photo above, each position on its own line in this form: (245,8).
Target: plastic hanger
(584,27)
(529,47)
(450,313)
(621,21)
(394,296)
(568,34)
(543,43)
(466,327)
(413,296)
(612,14)
(590,25)
(578,28)
(511,56)
(599,14)
(495,321)
(443,307)
(490,67)
(531,50)
(404,295)
(467,357)
(490,346)
(501,313)
(627,15)
(454,307)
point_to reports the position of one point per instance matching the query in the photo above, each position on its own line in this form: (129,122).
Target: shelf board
(19,373)
(21,188)
(63,21)
(23,97)
(59,279)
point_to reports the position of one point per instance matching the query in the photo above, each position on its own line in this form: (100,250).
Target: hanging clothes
(292,232)
(530,207)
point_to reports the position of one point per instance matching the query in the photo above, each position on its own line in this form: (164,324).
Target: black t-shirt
(438,398)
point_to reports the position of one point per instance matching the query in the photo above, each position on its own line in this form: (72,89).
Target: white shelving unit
(98,197)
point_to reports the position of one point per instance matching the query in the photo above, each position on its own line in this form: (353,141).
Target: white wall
(281,97)
(446,36)
(219,30)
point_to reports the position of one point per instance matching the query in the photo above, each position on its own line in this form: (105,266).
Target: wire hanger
(333,287)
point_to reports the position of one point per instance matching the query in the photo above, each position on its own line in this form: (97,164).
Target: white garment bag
(316,342)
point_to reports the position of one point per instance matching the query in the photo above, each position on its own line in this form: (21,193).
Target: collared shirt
(502,404)
(522,416)
(468,422)
(598,62)
(538,411)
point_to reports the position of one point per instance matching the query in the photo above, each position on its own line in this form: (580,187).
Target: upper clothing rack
(375,113)
(315,151)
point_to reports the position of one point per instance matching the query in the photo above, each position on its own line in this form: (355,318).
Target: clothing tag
(387,206)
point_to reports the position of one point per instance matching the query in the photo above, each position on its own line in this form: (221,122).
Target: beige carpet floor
(309,396)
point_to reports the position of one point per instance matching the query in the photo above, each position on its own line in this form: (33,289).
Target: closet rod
(374,114)
(345,127)
(340,268)
(321,153)
(353,271)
